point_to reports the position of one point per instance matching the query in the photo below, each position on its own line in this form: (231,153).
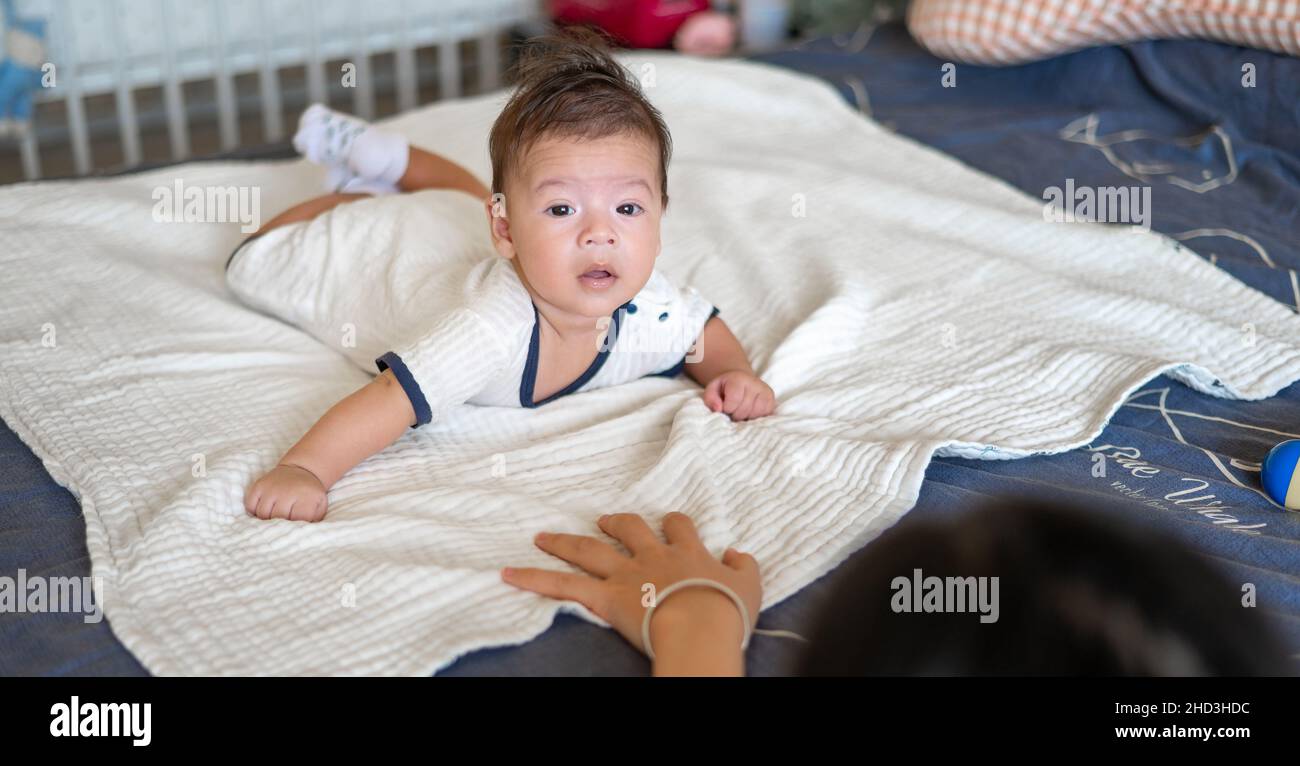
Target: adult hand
(696,630)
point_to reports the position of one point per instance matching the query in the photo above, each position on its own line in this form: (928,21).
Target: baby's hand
(287,492)
(742,395)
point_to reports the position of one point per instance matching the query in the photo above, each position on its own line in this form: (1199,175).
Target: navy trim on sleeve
(677,369)
(423,413)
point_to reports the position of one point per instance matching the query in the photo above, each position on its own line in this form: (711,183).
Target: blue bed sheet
(1176,460)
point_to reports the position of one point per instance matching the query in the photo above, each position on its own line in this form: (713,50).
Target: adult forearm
(697,633)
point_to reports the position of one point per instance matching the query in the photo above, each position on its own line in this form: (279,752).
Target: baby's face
(583,221)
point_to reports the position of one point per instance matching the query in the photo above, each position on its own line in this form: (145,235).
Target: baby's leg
(426,170)
(305,211)
(365,157)
(379,152)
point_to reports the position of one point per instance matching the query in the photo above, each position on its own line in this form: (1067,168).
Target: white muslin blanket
(899,303)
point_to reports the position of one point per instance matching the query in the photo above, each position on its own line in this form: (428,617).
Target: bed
(1236,207)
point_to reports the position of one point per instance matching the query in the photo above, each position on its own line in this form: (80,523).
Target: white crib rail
(120,46)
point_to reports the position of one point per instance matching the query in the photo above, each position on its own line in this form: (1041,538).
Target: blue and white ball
(1281,474)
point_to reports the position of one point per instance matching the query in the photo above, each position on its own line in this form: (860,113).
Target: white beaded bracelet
(659,598)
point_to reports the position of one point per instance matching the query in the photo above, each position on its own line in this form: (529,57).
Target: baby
(573,303)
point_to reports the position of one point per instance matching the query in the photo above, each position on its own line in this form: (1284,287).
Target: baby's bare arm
(730,384)
(720,352)
(360,425)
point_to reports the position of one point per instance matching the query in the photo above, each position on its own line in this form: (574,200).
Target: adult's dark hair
(1080,593)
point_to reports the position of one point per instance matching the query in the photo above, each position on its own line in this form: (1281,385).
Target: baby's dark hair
(1082,592)
(568,85)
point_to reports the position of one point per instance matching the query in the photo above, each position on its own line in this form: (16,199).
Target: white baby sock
(379,155)
(352,148)
(324,136)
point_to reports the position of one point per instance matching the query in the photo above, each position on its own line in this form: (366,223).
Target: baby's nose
(598,236)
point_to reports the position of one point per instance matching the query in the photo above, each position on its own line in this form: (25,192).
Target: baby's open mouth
(598,279)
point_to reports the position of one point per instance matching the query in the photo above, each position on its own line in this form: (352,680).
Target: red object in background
(636,23)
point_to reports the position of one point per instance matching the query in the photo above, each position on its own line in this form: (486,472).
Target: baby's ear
(499,225)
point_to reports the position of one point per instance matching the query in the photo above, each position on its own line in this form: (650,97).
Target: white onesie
(361,278)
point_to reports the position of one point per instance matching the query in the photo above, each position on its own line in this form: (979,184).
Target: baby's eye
(565,210)
(629,205)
